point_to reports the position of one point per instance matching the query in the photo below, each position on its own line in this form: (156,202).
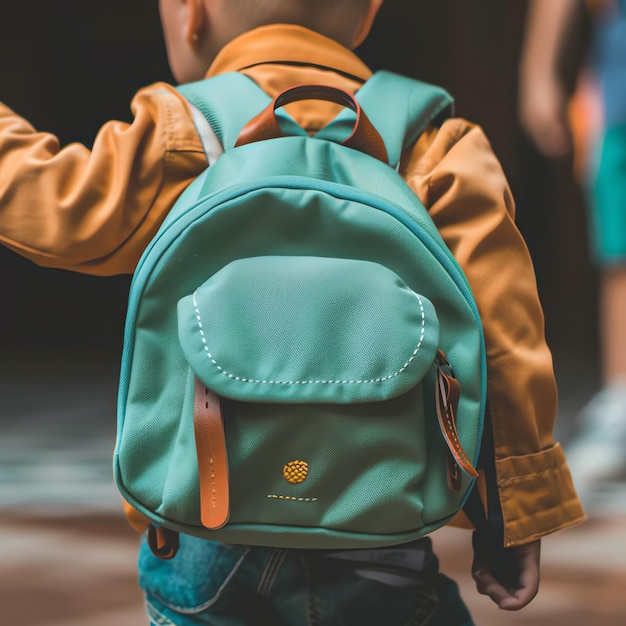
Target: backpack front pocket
(319,364)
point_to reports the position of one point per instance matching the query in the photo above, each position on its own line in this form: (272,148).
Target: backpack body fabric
(302,286)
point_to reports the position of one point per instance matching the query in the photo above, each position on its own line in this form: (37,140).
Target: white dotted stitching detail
(243,379)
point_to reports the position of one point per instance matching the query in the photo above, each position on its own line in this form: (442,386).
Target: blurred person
(597,453)
(95,210)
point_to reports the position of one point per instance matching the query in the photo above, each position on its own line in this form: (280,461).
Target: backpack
(304,364)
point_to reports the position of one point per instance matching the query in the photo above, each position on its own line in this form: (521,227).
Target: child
(598,453)
(95,211)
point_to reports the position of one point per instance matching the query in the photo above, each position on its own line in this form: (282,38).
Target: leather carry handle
(447,396)
(212,458)
(364,136)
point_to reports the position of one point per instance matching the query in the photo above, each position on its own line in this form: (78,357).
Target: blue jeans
(214,584)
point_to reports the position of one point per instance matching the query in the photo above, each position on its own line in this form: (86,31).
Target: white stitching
(309,382)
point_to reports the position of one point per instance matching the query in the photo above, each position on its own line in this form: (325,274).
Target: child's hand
(491,574)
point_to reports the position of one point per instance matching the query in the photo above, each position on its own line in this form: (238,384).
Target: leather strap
(163,542)
(212,458)
(447,396)
(363,137)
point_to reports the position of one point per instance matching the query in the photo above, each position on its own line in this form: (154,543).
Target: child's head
(196,30)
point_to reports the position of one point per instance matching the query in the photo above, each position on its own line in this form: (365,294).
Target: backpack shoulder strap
(399,108)
(228,102)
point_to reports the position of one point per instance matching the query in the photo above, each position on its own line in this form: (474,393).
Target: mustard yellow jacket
(94,211)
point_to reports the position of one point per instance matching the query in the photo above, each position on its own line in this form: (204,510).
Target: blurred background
(66,554)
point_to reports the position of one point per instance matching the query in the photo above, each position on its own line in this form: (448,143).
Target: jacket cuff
(537,495)
(137,520)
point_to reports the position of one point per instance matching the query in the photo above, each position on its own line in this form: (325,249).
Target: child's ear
(196,21)
(366,22)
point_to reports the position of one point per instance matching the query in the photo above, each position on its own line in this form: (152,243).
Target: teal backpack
(304,364)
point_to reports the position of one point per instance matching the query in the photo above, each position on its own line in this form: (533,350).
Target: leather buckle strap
(447,394)
(212,458)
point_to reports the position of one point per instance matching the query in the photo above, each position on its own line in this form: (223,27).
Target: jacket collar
(288,43)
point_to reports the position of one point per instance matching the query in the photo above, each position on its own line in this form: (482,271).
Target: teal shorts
(608,200)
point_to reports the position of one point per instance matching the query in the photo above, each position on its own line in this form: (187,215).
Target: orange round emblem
(296,471)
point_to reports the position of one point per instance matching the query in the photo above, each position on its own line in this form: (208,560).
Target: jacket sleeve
(457,176)
(94,211)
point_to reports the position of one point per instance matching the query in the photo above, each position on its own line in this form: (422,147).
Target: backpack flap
(307,329)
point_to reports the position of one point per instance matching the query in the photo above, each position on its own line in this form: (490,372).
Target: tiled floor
(68,571)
